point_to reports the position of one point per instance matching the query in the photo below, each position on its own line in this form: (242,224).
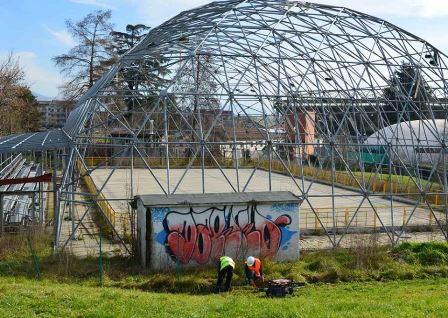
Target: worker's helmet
(250,261)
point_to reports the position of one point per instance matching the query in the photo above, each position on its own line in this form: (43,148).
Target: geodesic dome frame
(279,87)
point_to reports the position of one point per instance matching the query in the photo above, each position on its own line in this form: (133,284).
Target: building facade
(54,113)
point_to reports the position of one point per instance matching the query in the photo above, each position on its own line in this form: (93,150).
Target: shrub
(432,257)
(314,266)
(408,256)
(331,275)
(428,253)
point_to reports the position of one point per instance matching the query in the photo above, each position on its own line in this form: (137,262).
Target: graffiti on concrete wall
(203,235)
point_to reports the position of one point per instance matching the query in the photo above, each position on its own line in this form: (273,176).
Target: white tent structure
(415,142)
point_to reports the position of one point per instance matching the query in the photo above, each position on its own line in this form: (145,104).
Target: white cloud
(37,78)
(95,3)
(154,12)
(433,8)
(418,8)
(61,36)
(399,12)
(403,13)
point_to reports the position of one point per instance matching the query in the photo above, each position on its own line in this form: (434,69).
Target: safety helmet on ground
(250,261)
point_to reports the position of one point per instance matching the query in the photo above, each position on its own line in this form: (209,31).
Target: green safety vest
(226,261)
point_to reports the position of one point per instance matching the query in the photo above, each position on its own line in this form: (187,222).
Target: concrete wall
(192,236)
(306,126)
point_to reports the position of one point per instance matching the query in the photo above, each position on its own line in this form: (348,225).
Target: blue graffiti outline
(158,214)
(284,207)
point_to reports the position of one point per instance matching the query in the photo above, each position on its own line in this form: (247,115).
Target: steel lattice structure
(320,95)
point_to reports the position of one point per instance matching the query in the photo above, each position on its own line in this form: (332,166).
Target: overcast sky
(34,29)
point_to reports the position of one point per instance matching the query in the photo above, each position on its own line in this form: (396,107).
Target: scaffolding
(343,105)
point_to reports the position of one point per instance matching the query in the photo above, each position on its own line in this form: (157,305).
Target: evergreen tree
(407,90)
(124,41)
(143,75)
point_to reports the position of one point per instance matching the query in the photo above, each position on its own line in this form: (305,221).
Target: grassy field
(400,179)
(364,263)
(417,298)
(409,280)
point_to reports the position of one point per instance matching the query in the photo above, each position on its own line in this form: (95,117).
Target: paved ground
(346,202)
(86,241)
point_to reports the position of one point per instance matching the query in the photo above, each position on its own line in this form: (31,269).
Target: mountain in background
(41,97)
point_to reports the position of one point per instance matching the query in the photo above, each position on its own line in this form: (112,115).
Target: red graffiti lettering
(203,245)
(182,241)
(220,233)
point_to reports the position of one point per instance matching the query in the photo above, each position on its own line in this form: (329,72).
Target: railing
(156,162)
(402,186)
(100,200)
(379,183)
(365,217)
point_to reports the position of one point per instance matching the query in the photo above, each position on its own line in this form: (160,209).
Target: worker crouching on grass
(253,270)
(226,265)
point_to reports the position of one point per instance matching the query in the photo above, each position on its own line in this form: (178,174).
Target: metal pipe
(2,224)
(57,224)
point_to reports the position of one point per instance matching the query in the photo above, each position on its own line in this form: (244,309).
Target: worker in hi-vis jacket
(226,265)
(253,270)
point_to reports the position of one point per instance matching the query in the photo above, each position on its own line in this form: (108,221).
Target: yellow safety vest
(226,261)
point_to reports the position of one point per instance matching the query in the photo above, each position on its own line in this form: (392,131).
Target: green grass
(409,280)
(418,298)
(400,179)
(365,263)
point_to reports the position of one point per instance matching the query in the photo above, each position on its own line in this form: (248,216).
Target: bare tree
(18,106)
(197,81)
(85,62)
(10,75)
